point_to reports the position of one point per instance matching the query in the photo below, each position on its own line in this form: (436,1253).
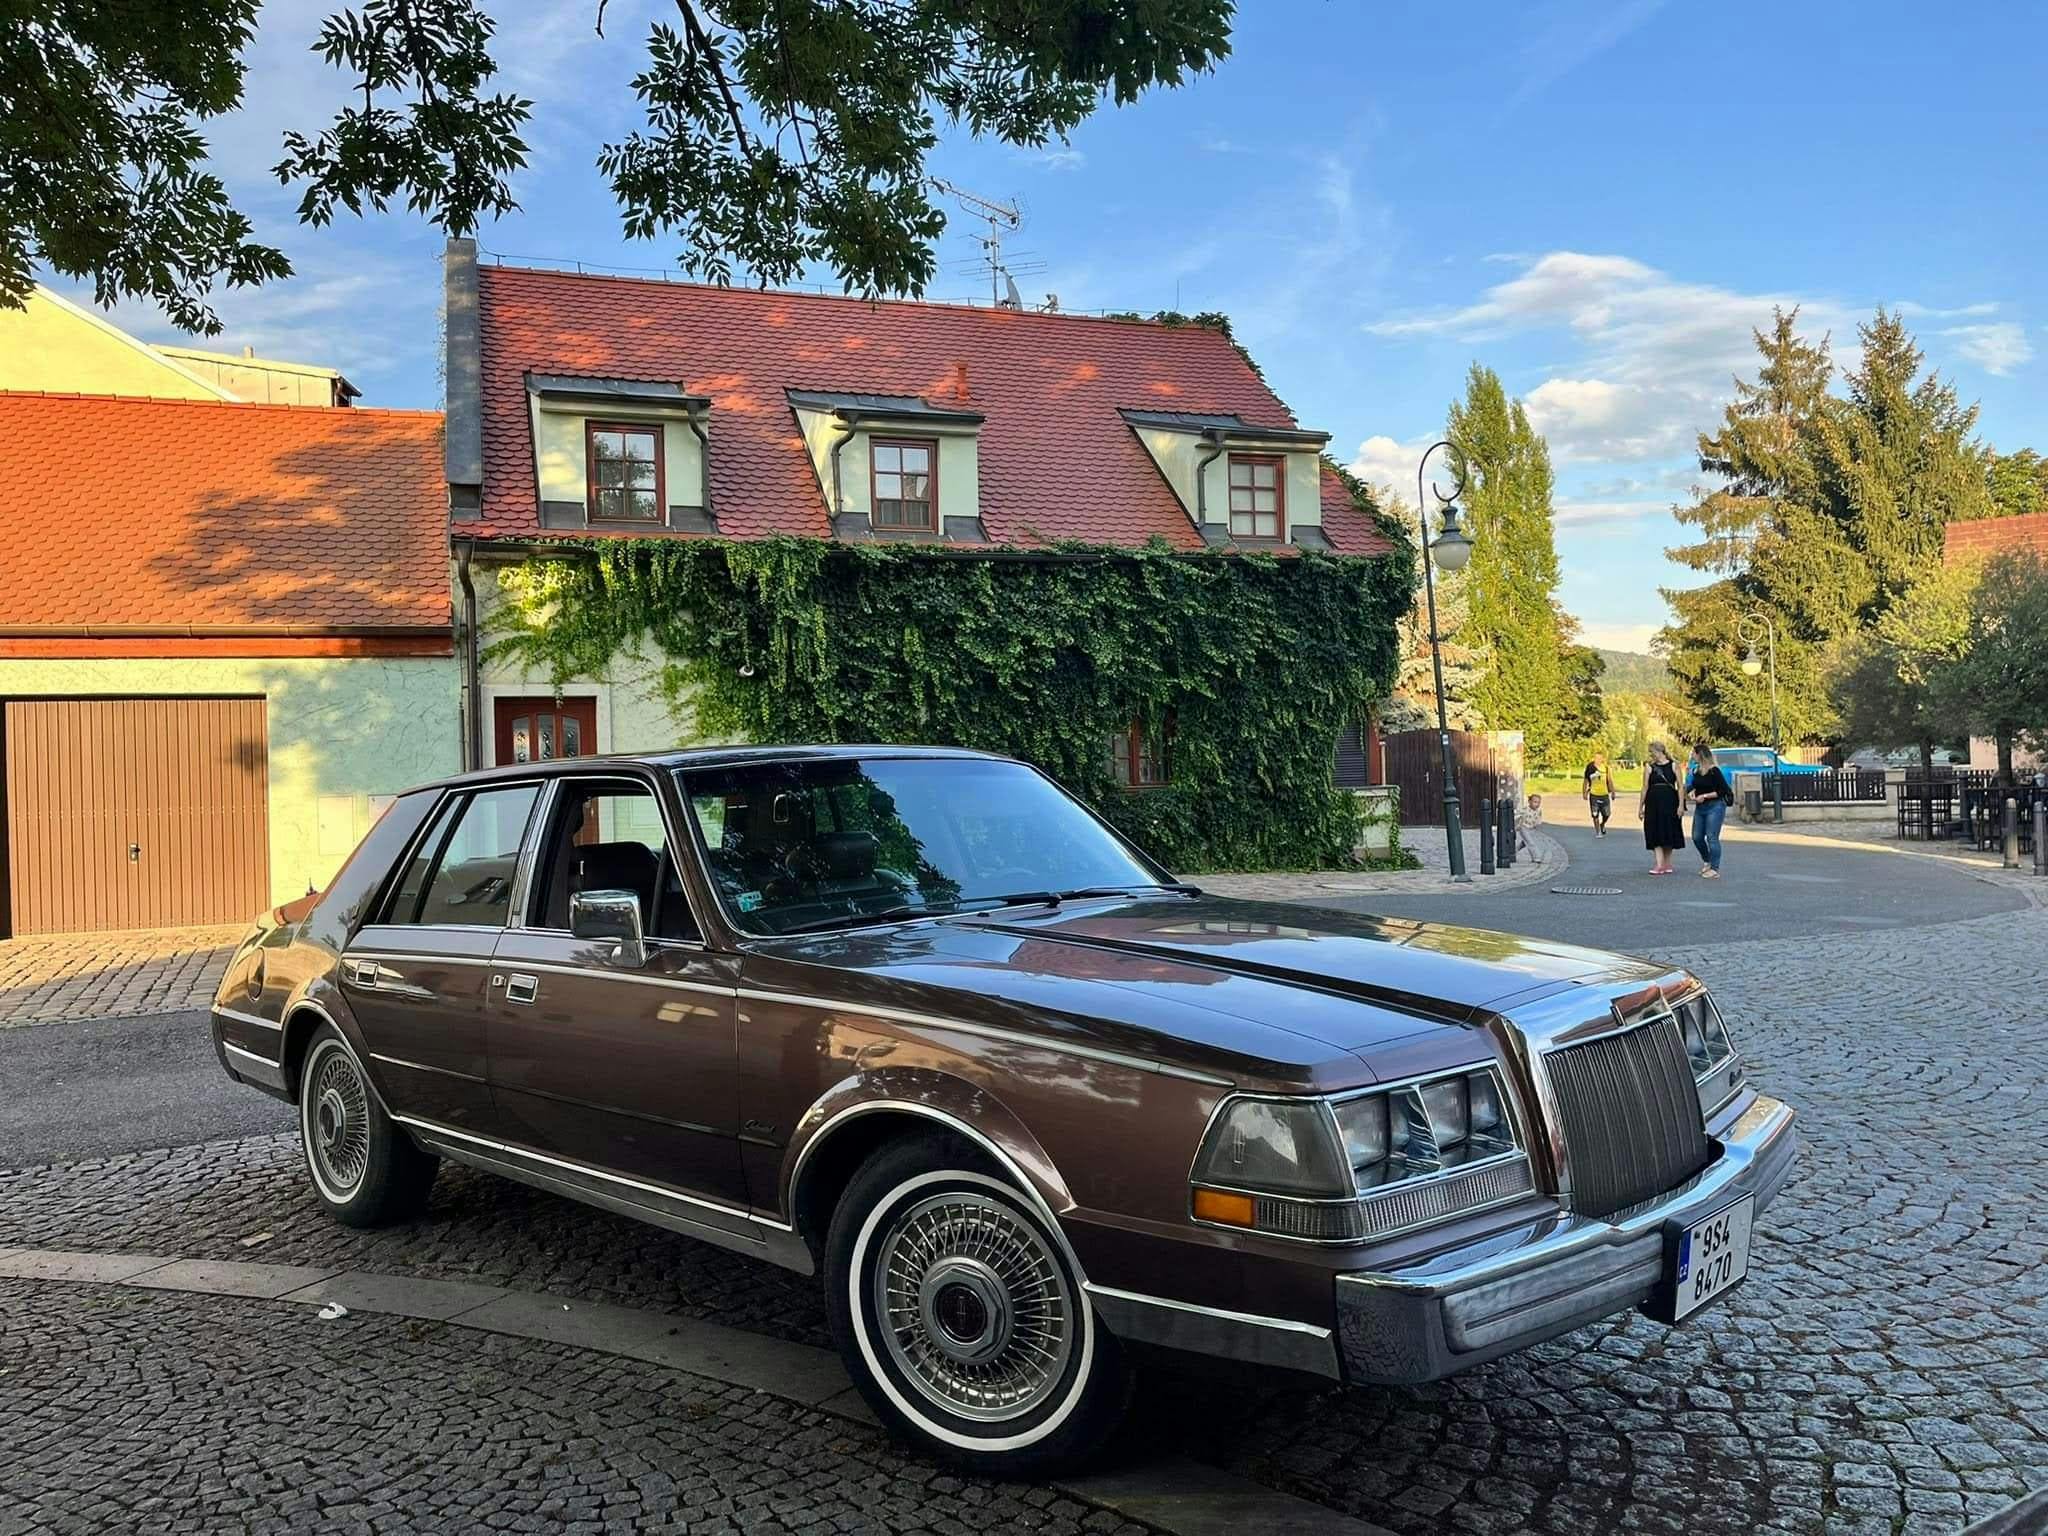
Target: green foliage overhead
(777,136)
(1830,508)
(1882,682)
(1511,582)
(1249,664)
(102,169)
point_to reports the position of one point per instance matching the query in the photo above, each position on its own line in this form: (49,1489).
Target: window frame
(528,899)
(432,840)
(1130,754)
(1279,513)
(591,427)
(894,440)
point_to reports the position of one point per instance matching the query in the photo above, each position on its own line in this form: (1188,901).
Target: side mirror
(610,917)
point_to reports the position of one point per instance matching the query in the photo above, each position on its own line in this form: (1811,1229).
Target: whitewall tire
(364,1168)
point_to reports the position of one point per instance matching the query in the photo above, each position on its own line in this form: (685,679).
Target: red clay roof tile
(1056,460)
(123,511)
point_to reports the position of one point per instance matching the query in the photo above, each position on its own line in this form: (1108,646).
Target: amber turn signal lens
(1217,1205)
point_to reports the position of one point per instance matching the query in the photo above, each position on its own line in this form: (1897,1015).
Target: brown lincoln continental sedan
(918,1021)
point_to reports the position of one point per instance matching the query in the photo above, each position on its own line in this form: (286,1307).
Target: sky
(1597,198)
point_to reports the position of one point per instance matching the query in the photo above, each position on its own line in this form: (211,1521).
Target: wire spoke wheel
(337,1121)
(973,1307)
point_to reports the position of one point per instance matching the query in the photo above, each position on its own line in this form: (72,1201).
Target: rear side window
(461,872)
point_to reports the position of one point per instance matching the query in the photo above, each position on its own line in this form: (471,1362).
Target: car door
(416,978)
(625,1070)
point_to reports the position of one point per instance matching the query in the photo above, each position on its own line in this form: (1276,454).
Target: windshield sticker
(750,901)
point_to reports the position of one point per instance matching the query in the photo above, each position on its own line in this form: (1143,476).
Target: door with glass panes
(538,730)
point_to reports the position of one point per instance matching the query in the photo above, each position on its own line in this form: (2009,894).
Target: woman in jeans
(1710,797)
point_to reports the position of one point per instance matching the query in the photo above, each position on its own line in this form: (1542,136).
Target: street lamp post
(1745,630)
(1451,548)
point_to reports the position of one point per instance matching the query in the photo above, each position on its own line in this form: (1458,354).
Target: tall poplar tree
(1512,579)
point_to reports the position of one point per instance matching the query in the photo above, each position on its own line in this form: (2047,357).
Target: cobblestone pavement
(132,1411)
(1884,1370)
(103,975)
(1432,879)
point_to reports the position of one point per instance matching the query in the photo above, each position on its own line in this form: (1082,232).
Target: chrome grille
(1630,1116)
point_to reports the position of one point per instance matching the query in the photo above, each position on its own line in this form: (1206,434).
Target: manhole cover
(1585,890)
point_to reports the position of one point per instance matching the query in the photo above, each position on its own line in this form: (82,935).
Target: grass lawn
(1627,781)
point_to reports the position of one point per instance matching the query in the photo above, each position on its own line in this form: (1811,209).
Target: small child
(1531,819)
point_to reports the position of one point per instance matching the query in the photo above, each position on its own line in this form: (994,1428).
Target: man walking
(1597,789)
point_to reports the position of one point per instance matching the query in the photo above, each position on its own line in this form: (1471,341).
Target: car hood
(1207,980)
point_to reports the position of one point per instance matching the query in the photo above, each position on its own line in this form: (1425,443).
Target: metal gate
(1415,762)
(135,813)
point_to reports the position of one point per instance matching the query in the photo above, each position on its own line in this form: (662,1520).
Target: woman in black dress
(1663,832)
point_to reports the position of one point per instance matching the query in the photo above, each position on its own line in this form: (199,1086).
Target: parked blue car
(1734,760)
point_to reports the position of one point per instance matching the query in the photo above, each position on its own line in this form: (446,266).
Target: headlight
(1717,1069)
(1362,1166)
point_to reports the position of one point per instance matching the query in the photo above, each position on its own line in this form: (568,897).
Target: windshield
(1743,757)
(838,841)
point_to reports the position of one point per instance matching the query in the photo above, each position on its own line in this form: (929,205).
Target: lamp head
(1752,664)
(1452,547)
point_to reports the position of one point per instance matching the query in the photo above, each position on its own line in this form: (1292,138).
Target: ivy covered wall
(1250,664)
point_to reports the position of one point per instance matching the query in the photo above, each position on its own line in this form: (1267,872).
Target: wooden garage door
(135,813)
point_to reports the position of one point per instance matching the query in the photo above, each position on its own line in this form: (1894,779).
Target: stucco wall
(632,714)
(343,732)
(50,345)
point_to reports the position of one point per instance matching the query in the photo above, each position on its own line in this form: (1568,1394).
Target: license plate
(1709,1257)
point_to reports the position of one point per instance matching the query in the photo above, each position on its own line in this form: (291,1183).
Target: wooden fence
(1483,761)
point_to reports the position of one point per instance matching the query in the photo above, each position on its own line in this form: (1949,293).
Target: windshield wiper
(1174,887)
(903,914)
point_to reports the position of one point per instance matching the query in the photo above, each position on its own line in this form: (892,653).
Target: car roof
(711,757)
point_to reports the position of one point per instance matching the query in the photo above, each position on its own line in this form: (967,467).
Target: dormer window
(904,490)
(1258,496)
(625,472)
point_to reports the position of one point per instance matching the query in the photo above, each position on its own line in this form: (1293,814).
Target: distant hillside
(1633,672)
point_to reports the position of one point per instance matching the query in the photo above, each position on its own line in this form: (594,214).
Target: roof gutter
(472,694)
(851,421)
(221,631)
(1213,436)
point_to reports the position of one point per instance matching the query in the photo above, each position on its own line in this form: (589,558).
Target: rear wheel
(961,1318)
(365,1168)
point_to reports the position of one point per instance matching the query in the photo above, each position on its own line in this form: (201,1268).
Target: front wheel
(961,1318)
(365,1168)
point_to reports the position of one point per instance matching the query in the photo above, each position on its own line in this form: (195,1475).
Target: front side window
(461,872)
(905,482)
(608,835)
(1137,757)
(625,473)
(796,845)
(1258,496)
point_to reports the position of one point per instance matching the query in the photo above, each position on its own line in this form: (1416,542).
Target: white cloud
(1059,158)
(1996,347)
(1587,514)
(1388,465)
(1658,353)
(1568,33)
(1618,637)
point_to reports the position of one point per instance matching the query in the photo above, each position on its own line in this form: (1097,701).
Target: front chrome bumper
(1518,1288)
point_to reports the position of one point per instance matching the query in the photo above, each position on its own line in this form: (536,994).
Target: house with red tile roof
(227,636)
(583,406)
(1986,539)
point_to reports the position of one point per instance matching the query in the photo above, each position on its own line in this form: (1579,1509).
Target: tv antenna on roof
(1000,217)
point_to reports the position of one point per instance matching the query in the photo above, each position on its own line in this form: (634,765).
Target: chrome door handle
(363,973)
(521,989)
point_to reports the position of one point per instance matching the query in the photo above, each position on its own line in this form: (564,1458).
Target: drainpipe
(472,701)
(1215,441)
(704,464)
(851,421)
